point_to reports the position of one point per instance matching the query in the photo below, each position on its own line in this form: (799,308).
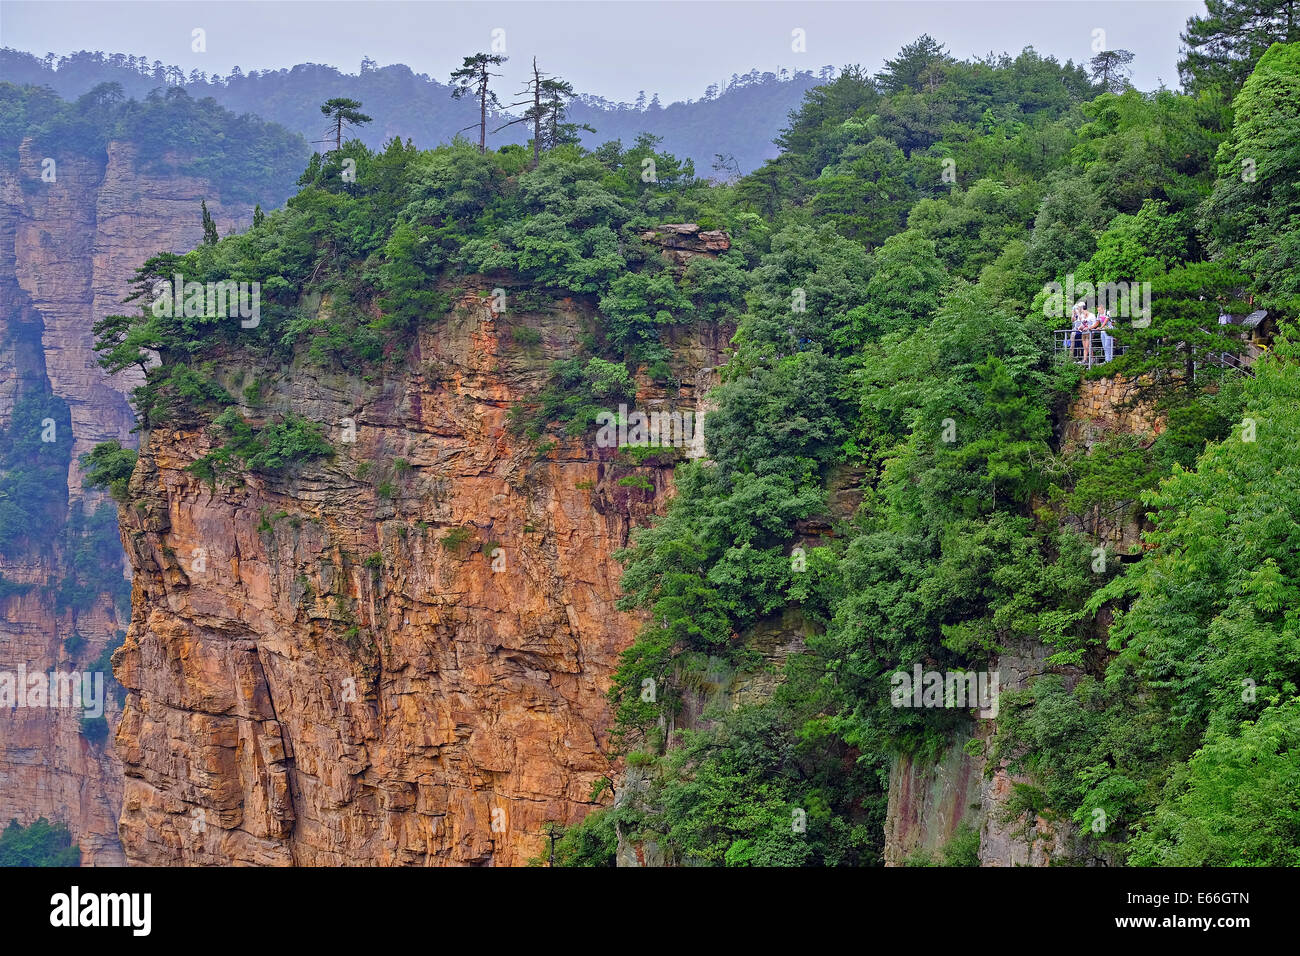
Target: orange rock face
(68,249)
(399,656)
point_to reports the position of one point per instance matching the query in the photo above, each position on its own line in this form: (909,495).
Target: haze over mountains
(738,121)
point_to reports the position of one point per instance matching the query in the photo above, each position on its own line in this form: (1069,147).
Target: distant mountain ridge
(738,121)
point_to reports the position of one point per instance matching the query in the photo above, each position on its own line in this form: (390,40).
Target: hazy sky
(610,48)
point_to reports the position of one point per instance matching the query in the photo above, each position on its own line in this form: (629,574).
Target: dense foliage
(92,562)
(35,453)
(40,843)
(1165,726)
(350,267)
(35,449)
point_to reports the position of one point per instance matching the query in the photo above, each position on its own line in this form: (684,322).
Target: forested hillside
(889,278)
(737,121)
(173,134)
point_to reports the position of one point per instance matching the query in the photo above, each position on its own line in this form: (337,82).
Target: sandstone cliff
(398,656)
(67,251)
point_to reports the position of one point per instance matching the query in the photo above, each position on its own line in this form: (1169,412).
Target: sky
(610,48)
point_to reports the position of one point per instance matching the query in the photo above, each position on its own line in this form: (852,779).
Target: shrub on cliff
(35,449)
(109,465)
(273,449)
(40,843)
(592,842)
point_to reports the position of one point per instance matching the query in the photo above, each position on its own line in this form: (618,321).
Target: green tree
(1138,247)
(867,193)
(1110,69)
(35,449)
(810,141)
(40,843)
(109,465)
(1223,45)
(1233,803)
(556,95)
(474,78)
(1253,215)
(408,293)
(1066,226)
(904,290)
(919,65)
(210,236)
(343,112)
(1138,146)
(1175,352)
(548,100)
(535,114)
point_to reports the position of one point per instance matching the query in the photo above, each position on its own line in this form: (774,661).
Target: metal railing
(1087,348)
(1228,360)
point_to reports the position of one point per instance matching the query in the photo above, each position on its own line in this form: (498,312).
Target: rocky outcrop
(1101,409)
(76,244)
(398,656)
(68,249)
(683,241)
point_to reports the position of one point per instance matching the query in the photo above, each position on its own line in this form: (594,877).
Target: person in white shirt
(1107,340)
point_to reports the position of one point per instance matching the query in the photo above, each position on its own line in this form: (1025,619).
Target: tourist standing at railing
(1107,340)
(1089,323)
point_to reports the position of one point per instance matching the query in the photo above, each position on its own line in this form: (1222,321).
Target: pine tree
(1110,69)
(343,112)
(1184,331)
(474,77)
(555,98)
(1250,217)
(534,114)
(549,102)
(919,61)
(1223,45)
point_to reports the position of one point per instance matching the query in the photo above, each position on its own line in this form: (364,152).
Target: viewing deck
(1068,346)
